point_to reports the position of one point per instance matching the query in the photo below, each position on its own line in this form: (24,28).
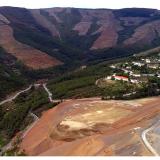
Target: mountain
(80,57)
(43,38)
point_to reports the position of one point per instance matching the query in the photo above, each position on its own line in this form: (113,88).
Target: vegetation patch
(15,113)
(12,77)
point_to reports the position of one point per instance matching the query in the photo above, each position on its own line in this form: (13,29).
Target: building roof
(121,77)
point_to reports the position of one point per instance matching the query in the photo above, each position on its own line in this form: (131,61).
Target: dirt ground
(30,56)
(92,127)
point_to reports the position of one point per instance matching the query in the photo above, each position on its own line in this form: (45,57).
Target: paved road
(9,145)
(5,148)
(36,119)
(50,94)
(148,145)
(15,96)
(34,116)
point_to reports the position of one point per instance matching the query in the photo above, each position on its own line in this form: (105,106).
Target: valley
(78,118)
(79,82)
(86,123)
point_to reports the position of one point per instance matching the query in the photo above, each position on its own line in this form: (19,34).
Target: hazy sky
(82,3)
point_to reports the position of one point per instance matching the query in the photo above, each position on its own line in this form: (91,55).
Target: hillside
(45,43)
(95,63)
(12,75)
(43,38)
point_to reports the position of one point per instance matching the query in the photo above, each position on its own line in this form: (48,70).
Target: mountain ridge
(68,35)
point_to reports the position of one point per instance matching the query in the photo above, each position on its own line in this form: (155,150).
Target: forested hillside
(57,36)
(11,74)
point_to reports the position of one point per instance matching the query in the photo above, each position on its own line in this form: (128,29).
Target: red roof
(121,77)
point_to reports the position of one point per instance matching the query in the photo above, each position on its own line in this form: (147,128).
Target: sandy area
(105,115)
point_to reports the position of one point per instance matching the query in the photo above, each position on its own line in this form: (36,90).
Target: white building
(134,81)
(138,64)
(148,61)
(136,75)
(108,78)
(112,66)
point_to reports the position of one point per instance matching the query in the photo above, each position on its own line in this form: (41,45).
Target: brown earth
(107,39)
(140,26)
(144,34)
(53,13)
(109,26)
(31,57)
(45,23)
(108,29)
(82,27)
(92,127)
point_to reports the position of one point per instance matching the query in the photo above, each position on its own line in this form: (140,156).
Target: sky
(113,4)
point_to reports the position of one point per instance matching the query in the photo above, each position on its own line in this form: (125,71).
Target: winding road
(49,94)
(9,145)
(16,95)
(148,145)
(36,119)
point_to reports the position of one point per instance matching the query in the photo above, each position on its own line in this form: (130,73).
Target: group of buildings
(132,75)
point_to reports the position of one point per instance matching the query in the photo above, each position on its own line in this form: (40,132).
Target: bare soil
(31,57)
(92,127)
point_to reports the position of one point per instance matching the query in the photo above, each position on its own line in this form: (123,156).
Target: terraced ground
(93,127)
